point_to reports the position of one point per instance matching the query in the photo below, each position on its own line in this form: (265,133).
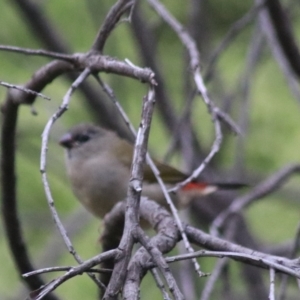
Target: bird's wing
(168,173)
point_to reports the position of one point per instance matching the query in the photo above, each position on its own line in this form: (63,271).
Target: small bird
(98,165)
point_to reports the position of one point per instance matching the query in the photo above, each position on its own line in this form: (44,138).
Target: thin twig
(219,267)
(285,278)
(272,284)
(256,258)
(190,45)
(269,31)
(253,55)
(220,248)
(43,163)
(174,212)
(77,270)
(161,264)
(164,241)
(160,283)
(62,268)
(238,253)
(232,33)
(208,288)
(23,89)
(10,209)
(155,170)
(111,95)
(110,22)
(39,52)
(284,34)
(181,133)
(146,39)
(268,186)
(133,197)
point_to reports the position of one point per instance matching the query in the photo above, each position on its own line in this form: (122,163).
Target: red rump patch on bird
(199,188)
(204,188)
(195,186)
(195,189)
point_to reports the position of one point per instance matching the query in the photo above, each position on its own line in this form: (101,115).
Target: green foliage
(274,219)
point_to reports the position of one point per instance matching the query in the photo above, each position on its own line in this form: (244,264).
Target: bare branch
(284,34)
(62,268)
(155,170)
(110,22)
(41,26)
(293,252)
(155,252)
(232,33)
(12,225)
(39,52)
(43,163)
(133,198)
(254,53)
(174,212)
(214,276)
(190,45)
(146,41)
(159,284)
(165,240)
(243,254)
(126,267)
(78,270)
(21,88)
(278,53)
(101,63)
(268,186)
(160,219)
(46,33)
(272,284)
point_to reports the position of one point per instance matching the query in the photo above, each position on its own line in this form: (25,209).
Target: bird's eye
(82,138)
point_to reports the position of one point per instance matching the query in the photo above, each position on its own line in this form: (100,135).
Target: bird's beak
(67,141)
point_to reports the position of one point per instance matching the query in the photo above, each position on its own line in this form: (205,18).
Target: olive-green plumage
(98,165)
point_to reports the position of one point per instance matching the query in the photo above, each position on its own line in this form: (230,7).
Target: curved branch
(256,258)
(49,36)
(265,188)
(11,222)
(146,43)
(110,23)
(165,240)
(285,34)
(39,23)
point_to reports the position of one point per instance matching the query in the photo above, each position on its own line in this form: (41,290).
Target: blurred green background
(271,141)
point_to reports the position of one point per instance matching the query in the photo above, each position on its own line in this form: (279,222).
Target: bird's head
(84,139)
